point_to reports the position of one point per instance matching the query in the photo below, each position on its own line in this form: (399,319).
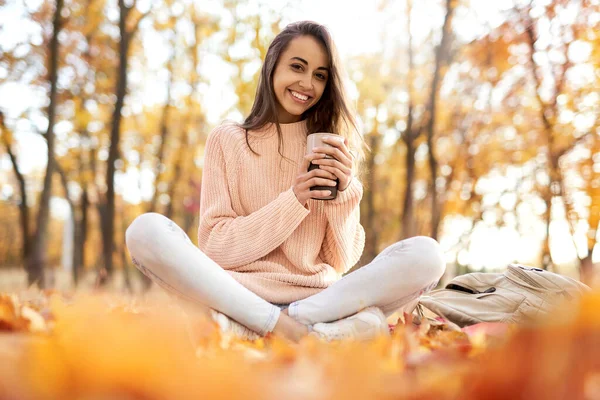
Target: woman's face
(300,78)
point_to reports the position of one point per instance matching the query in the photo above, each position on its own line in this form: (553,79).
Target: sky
(356,28)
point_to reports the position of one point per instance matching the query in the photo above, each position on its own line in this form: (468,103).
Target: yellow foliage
(106,346)
(493,51)
(15,316)
(7,136)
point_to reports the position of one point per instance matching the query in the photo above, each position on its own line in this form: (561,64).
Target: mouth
(299,97)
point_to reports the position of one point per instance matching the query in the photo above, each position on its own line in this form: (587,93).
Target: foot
(289,328)
(364,325)
(228,325)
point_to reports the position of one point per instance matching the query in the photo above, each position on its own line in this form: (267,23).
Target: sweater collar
(296,131)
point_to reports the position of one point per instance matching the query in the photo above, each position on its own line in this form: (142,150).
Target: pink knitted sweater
(253,226)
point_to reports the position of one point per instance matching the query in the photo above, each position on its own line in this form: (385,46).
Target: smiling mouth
(301,98)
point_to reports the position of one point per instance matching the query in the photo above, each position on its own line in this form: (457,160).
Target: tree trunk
(164,133)
(409,137)
(74,212)
(113,153)
(88,185)
(177,174)
(80,229)
(408,217)
(24,218)
(369,214)
(123,250)
(36,262)
(23,208)
(126,268)
(80,237)
(587,268)
(188,222)
(546,257)
(158,170)
(440,55)
(192,208)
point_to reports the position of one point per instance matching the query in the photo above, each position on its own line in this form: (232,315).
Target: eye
(297,67)
(321,76)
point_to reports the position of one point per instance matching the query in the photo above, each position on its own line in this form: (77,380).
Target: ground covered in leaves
(105,346)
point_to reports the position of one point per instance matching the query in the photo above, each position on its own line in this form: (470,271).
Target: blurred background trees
(483,126)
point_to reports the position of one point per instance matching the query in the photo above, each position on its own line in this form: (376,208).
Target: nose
(306,82)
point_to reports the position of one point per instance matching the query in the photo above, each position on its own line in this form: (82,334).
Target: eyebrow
(302,60)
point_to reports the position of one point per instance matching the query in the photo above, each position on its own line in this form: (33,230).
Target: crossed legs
(394,280)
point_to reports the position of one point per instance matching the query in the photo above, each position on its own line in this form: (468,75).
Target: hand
(341,163)
(317,177)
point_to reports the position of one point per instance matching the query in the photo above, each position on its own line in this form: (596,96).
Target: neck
(289,119)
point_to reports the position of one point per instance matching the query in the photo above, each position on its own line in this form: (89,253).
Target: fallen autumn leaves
(102,346)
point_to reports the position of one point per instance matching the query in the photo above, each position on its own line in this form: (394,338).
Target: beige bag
(519,295)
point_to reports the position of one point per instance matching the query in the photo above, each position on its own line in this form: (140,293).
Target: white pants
(393,281)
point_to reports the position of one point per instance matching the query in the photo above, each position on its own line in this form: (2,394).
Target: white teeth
(299,96)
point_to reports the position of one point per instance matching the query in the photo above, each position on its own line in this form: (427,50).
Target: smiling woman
(271,249)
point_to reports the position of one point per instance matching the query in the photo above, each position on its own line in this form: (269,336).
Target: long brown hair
(332,113)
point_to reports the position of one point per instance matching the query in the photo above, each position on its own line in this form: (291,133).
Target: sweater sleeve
(344,236)
(232,240)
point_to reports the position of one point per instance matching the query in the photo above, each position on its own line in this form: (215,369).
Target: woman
(271,251)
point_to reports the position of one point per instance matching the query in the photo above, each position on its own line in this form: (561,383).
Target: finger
(336,141)
(320,194)
(336,154)
(342,145)
(329,150)
(321,182)
(307,178)
(305,163)
(307,159)
(336,172)
(315,173)
(343,179)
(333,163)
(317,182)
(322,173)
